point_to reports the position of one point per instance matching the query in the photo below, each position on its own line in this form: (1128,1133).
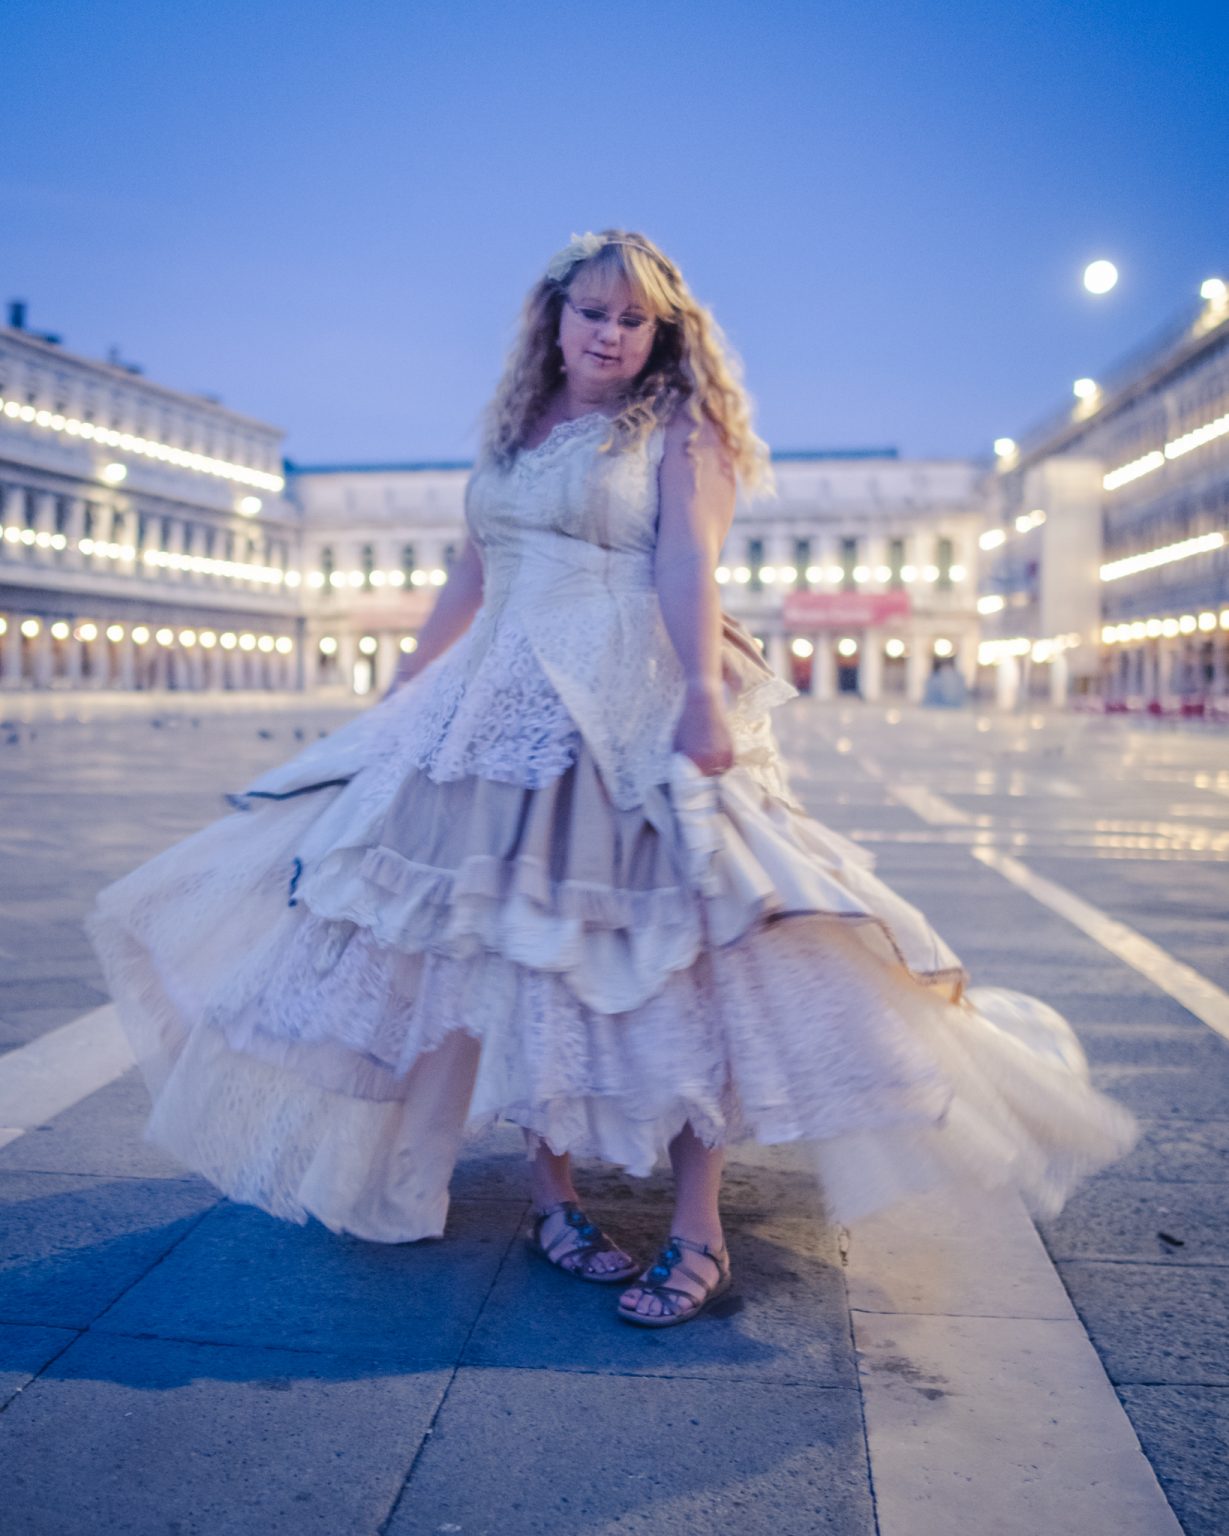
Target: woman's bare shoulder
(685,440)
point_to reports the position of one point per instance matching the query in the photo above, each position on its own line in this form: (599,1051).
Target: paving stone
(996,1424)
(784,1319)
(1177,1149)
(146,1437)
(243,1277)
(1117,1219)
(23,1354)
(1197,1090)
(1185,1434)
(102,1135)
(71,1245)
(1156,1323)
(639,1455)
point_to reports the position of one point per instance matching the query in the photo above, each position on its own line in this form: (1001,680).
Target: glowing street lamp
(1100,276)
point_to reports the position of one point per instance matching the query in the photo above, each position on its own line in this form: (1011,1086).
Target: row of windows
(849,560)
(154,532)
(67,395)
(367,561)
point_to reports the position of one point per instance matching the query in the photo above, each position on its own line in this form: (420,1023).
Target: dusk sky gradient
(329,215)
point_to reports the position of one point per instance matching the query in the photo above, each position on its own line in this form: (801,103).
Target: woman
(557,875)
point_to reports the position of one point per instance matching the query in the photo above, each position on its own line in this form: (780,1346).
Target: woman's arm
(696,510)
(449,619)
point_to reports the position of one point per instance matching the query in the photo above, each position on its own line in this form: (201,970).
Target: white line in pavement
(40,1080)
(930,807)
(1196,993)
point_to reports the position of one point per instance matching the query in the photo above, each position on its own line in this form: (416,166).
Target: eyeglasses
(594,315)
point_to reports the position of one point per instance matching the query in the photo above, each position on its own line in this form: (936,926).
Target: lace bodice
(569,642)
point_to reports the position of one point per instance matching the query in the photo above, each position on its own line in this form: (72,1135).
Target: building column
(44,512)
(777,653)
(916,656)
(870,670)
(1059,681)
(347,655)
(966,658)
(100,659)
(124,656)
(10,658)
(43,658)
(1007,683)
(823,671)
(72,659)
(74,531)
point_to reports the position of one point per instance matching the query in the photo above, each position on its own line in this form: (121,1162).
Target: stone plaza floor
(173,1362)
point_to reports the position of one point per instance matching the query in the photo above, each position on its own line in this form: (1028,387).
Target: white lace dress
(499,893)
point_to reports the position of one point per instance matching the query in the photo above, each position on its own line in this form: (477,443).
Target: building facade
(151,539)
(1106,562)
(145,540)
(858,577)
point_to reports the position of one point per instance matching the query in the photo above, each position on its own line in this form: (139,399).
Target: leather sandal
(578,1254)
(687,1305)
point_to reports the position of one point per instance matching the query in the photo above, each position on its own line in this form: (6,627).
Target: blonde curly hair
(691,365)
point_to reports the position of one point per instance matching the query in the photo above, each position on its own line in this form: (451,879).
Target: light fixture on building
(247,642)
(328,646)
(265,643)
(378,578)
(1085,389)
(1214,290)
(187,638)
(1100,276)
(229,640)
(883,573)
(108,437)
(140,634)
(30,628)
(1129,565)
(419,578)
(438,577)
(4,625)
(164,636)
(315,578)
(908,573)
(814,573)
(250,505)
(768,574)
(208,639)
(993,602)
(742,575)
(788,574)
(1169,629)
(861,573)
(409,643)
(368,645)
(944,648)
(957,572)
(60,630)
(293,578)
(284,645)
(356,578)
(847,646)
(114,473)
(1004,448)
(895,648)
(930,573)
(802,647)
(337,578)
(1207,621)
(722,574)
(1187,624)
(836,573)
(115,632)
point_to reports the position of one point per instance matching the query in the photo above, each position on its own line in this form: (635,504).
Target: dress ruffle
(376,962)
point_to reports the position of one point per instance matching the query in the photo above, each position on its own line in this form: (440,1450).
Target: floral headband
(582,247)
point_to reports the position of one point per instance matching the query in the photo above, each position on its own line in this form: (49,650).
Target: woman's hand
(702,732)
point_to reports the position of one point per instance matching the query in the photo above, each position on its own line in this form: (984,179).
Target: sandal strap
(579,1253)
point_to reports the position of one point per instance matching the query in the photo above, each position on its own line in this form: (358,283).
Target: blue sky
(329,215)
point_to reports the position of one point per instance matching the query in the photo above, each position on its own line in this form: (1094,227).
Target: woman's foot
(566,1236)
(686,1275)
